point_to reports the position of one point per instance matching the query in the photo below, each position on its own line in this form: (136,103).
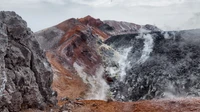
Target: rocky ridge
(26,75)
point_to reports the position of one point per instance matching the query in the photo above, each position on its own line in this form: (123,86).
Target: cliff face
(25,74)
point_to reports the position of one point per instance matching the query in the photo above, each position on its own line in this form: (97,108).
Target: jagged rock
(166,64)
(26,76)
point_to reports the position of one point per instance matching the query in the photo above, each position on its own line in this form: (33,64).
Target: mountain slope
(136,59)
(75,46)
(158,65)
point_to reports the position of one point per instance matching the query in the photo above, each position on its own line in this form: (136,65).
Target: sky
(165,14)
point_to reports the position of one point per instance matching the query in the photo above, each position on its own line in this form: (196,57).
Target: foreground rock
(25,74)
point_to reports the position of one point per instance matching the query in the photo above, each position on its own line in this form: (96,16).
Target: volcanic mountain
(76,46)
(131,58)
(95,65)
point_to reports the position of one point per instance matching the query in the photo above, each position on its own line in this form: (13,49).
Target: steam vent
(90,65)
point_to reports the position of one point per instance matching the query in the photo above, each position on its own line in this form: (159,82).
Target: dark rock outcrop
(158,65)
(25,74)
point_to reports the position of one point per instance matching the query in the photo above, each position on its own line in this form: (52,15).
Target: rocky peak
(88,20)
(26,76)
(68,24)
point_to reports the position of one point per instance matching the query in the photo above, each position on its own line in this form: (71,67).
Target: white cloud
(193,22)
(17,3)
(129,2)
(98,3)
(91,2)
(60,2)
(166,14)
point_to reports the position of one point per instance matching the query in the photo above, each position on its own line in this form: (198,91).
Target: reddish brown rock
(165,105)
(88,20)
(76,42)
(66,83)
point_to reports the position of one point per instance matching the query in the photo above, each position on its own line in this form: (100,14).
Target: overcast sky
(166,14)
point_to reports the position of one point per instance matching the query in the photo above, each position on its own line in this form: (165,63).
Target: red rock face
(77,42)
(87,23)
(77,50)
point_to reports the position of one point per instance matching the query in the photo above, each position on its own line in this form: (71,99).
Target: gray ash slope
(25,74)
(158,65)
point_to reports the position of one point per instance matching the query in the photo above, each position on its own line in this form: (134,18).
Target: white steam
(122,62)
(170,91)
(98,87)
(148,45)
(148,48)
